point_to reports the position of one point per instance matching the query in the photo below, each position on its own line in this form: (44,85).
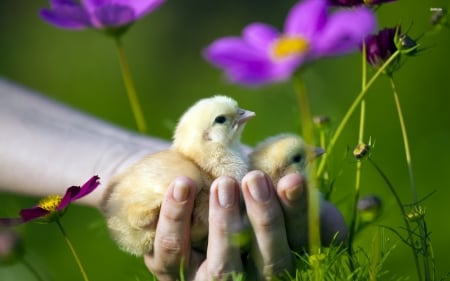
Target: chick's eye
(297,158)
(220,119)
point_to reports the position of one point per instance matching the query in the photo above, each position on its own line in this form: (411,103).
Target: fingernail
(180,190)
(226,192)
(293,193)
(258,187)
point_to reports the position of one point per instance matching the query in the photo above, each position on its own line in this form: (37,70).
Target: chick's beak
(314,152)
(318,151)
(244,116)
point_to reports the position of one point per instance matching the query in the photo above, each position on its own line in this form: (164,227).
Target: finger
(270,248)
(291,191)
(223,256)
(172,240)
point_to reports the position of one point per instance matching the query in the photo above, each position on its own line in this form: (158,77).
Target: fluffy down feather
(206,145)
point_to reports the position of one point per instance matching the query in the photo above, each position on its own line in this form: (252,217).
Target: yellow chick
(206,145)
(282,154)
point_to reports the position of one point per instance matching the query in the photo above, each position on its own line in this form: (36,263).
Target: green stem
(130,89)
(72,249)
(350,111)
(421,227)
(405,140)
(313,194)
(33,270)
(362,117)
(404,215)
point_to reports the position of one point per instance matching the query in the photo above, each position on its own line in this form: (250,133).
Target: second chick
(281,155)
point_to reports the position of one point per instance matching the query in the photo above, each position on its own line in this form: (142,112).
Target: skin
(272,213)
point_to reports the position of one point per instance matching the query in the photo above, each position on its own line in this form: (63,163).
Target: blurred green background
(164,49)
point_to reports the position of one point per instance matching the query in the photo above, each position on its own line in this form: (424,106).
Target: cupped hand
(172,247)
(277,217)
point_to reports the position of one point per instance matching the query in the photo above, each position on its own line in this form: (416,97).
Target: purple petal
(32,213)
(113,15)
(88,187)
(252,74)
(139,6)
(381,46)
(68,197)
(241,62)
(260,35)
(344,32)
(143,7)
(75,192)
(66,14)
(92,5)
(247,65)
(306,18)
(373,50)
(231,51)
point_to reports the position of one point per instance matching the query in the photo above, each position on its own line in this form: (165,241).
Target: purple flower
(350,3)
(264,55)
(381,46)
(53,206)
(99,14)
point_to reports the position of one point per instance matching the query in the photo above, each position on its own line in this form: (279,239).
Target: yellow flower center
(286,46)
(50,203)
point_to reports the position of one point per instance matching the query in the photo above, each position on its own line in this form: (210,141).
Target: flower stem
(313,193)
(404,216)
(405,140)
(350,111)
(421,226)
(130,89)
(33,270)
(72,249)
(362,117)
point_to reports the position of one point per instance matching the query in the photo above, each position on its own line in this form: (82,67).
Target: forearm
(47,147)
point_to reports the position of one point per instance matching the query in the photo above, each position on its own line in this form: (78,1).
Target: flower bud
(380,47)
(416,214)
(361,150)
(321,121)
(369,208)
(406,44)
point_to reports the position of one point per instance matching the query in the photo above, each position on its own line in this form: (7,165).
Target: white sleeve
(46,147)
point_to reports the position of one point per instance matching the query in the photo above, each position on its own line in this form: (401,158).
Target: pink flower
(264,55)
(53,206)
(98,14)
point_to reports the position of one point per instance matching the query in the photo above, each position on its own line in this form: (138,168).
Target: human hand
(172,246)
(273,214)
